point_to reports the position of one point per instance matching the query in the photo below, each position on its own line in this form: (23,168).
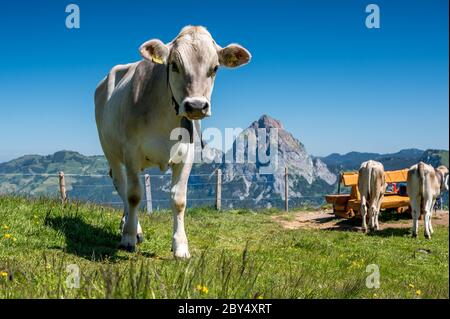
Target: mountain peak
(265,121)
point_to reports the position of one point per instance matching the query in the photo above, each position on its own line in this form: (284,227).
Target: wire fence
(237,189)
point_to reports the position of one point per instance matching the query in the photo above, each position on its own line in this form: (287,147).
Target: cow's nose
(196,108)
(196,105)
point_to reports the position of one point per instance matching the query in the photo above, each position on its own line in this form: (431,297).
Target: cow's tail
(421,171)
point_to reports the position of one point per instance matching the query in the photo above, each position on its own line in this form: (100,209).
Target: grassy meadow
(235,254)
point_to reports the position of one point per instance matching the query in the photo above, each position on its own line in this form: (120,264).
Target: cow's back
(421,181)
(107,86)
(371,179)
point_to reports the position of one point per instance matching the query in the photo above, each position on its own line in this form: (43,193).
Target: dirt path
(325,219)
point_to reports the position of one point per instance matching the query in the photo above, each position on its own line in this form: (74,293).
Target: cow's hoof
(427,236)
(128,242)
(414,235)
(129,248)
(140,238)
(182,252)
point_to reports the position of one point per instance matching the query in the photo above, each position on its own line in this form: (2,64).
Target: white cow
(138,108)
(425,184)
(371,186)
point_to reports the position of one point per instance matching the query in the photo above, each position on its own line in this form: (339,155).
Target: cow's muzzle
(196,108)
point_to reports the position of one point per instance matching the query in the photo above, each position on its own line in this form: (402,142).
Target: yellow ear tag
(157,59)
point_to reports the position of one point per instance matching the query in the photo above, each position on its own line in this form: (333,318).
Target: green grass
(235,254)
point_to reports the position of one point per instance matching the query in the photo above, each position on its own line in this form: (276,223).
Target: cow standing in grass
(140,108)
(425,184)
(371,186)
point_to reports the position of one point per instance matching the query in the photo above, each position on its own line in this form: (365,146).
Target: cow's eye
(213,71)
(175,67)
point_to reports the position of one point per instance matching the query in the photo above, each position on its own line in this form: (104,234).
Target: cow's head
(193,59)
(444,173)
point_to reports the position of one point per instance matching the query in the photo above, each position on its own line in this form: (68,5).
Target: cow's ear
(154,50)
(234,55)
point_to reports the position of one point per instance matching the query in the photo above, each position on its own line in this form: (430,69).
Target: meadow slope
(236,254)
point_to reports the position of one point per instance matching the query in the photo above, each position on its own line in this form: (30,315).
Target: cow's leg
(120,183)
(363,213)
(180,176)
(134,195)
(427,217)
(378,208)
(430,226)
(372,217)
(415,213)
(119,179)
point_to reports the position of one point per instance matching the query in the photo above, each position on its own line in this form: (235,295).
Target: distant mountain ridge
(391,161)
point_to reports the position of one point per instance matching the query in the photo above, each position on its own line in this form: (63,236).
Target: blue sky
(336,85)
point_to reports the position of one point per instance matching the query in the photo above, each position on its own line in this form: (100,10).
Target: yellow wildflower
(411,286)
(418,292)
(3,274)
(5,227)
(7,236)
(14,239)
(202,289)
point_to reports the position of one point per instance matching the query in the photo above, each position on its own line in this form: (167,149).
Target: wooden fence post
(148,194)
(286,189)
(62,187)
(219,189)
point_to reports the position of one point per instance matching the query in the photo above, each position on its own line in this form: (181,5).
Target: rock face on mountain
(252,185)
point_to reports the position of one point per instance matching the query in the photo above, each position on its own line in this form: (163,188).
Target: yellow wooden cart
(348,205)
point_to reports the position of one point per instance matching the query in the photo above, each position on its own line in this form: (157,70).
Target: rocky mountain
(309,178)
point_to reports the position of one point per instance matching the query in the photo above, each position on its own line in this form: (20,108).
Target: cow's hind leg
(427,217)
(377,212)
(430,226)
(119,178)
(363,213)
(134,195)
(372,216)
(415,212)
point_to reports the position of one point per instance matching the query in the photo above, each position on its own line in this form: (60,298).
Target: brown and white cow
(139,108)
(425,184)
(371,186)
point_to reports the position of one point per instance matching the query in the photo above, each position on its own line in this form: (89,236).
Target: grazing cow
(425,184)
(371,186)
(140,109)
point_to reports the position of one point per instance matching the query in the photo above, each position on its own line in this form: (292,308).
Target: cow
(424,185)
(371,186)
(142,111)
